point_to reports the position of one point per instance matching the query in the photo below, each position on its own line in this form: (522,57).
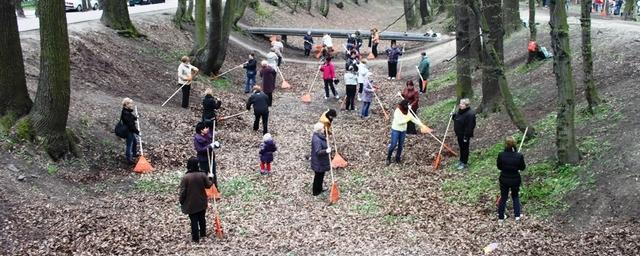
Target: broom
(334,193)
(143,166)
(436,162)
(306,98)
(519,148)
(217,223)
(285,84)
(338,161)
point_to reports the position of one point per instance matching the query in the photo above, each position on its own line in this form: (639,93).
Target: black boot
(388,160)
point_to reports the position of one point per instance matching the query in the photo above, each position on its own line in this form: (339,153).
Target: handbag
(121,130)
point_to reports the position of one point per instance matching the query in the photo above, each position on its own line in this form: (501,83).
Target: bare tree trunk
(587,56)
(308,5)
(491,96)
(219,28)
(13,85)
(463,45)
(201,24)
(19,9)
(497,69)
(410,14)
(323,7)
(51,107)
(512,21)
(189,14)
(629,12)
(425,12)
(115,15)
(532,21)
(567,150)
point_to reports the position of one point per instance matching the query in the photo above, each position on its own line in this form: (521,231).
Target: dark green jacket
(424,67)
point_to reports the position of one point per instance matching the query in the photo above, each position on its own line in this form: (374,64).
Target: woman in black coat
(129,120)
(320,157)
(510,163)
(209,106)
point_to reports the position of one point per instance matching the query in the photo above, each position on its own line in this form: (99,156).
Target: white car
(77,5)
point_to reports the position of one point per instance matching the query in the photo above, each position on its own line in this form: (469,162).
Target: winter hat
(266,137)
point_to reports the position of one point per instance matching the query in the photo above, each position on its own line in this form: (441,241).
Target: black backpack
(121,130)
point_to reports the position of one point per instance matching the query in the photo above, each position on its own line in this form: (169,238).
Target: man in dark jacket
(308,43)
(320,157)
(463,124)
(251,67)
(510,163)
(260,103)
(193,199)
(268,75)
(393,54)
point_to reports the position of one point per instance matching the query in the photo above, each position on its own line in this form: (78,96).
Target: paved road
(31,21)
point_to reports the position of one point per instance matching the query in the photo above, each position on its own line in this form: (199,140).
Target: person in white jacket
(362,76)
(351,82)
(272,58)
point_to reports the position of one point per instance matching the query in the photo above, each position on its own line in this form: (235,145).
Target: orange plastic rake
(306,98)
(436,162)
(143,166)
(334,193)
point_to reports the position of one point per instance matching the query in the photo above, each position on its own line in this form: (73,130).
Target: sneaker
(393,78)
(500,222)
(388,161)
(461,166)
(263,172)
(337,97)
(388,78)
(517,218)
(325,97)
(359,99)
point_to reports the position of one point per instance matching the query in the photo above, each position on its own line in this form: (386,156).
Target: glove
(453,113)
(328,150)
(215,144)
(465,139)
(210,176)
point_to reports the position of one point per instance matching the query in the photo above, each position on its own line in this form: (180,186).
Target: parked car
(143,2)
(77,5)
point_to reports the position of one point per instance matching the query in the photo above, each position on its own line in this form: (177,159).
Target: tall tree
(51,107)
(115,15)
(13,85)
(201,25)
(323,7)
(410,16)
(220,24)
(497,70)
(425,12)
(463,46)
(629,12)
(190,10)
(533,32)
(587,56)
(567,150)
(491,96)
(511,16)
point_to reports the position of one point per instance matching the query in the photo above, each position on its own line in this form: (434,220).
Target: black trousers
(374,50)
(360,85)
(504,195)
(265,121)
(307,51)
(279,60)
(198,225)
(351,94)
(393,68)
(318,178)
(328,84)
(185,95)
(270,95)
(464,150)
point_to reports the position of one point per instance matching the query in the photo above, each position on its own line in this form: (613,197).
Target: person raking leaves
(510,163)
(401,117)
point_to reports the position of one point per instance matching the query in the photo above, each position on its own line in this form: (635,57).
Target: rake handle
(326,134)
(523,136)
(314,79)
(445,133)
(230,70)
(174,94)
(139,133)
(234,115)
(381,106)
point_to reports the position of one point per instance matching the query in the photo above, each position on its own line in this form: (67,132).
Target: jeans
(328,84)
(265,120)
(318,178)
(251,81)
(397,139)
(365,109)
(186,89)
(131,146)
(393,68)
(198,225)
(351,95)
(504,195)
(464,149)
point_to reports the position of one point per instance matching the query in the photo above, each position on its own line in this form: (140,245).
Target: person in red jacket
(268,75)
(411,94)
(328,75)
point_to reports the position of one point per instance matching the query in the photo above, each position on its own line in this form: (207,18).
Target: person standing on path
(393,54)
(268,75)
(510,163)
(411,94)
(193,199)
(401,117)
(267,148)
(308,43)
(424,72)
(204,145)
(375,40)
(186,72)
(328,75)
(129,120)
(351,84)
(320,157)
(209,106)
(251,67)
(260,103)
(279,47)
(464,122)
(367,95)
(362,73)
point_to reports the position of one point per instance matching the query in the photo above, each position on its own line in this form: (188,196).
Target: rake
(285,84)
(306,98)
(143,166)
(436,162)
(334,193)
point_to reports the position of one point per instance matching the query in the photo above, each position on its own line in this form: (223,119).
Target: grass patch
(52,169)
(544,183)
(261,11)
(6,122)
(368,204)
(438,111)
(159,184)
(522,97)
(24,129)
(443,81)
(218,83)
(244,187)
(167,56)
(526,68)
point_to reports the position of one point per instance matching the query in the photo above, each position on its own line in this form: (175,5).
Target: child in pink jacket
(328,75)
